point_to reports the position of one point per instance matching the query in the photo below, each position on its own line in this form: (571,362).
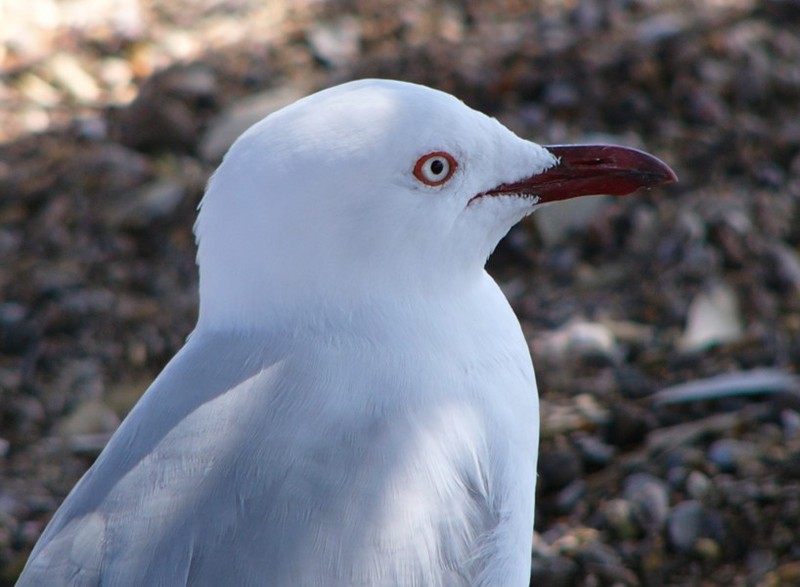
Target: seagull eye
(436,168)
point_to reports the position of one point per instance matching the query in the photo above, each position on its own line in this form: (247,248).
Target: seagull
(356,404)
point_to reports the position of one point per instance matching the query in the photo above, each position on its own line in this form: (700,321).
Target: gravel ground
(665,327)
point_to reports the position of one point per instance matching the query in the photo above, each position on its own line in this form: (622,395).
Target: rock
(38,91)
(580,340)
(698,485)
(691,528)
(170,110)
(686,524)
(582,412)
(729,455)
(88,445)
(121,397)
(621,517)
(676,476)
(650,498)
(337,42)
(90,417)
(707,549)
(785,265)
(657,28)
(713,318)
(570,496)
(68,72)
(595,452)
(790,420)
(117,74)
(629,331)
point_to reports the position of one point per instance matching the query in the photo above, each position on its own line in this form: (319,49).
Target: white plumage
(356,405)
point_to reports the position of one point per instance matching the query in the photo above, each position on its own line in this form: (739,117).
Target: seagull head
(376,189)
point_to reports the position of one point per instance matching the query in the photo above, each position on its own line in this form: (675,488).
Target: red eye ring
(434,169)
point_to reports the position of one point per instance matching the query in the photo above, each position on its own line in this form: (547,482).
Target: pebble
(785,265)
(729,454)
(33,119)
(118,75)
(38,90)
(336,43)
(790,420)
(86,429)
(170,109)
(620,515)
(707,549)
(713,318)
(68,72)
(698,485)
(650,498)
(570,496)
(581,413)
(595,452)
(581,340)
(88,445)
(676,476)
(693,528)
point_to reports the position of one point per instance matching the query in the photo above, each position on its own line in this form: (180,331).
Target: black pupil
(437,166)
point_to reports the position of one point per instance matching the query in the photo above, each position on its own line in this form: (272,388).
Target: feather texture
(284,459)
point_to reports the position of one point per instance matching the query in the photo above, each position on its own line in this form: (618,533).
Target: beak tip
(664,176)
(673,177)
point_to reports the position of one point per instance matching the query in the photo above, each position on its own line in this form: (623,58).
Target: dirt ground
(113,113)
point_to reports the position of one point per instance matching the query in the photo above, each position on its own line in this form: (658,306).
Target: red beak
(584,170)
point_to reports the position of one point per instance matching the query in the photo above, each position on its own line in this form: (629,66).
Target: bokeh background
(113,113)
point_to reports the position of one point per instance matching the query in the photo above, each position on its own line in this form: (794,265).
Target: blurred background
(665,327)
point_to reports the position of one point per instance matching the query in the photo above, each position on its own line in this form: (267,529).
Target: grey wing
(133,518)
(242,465)
(71,557)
